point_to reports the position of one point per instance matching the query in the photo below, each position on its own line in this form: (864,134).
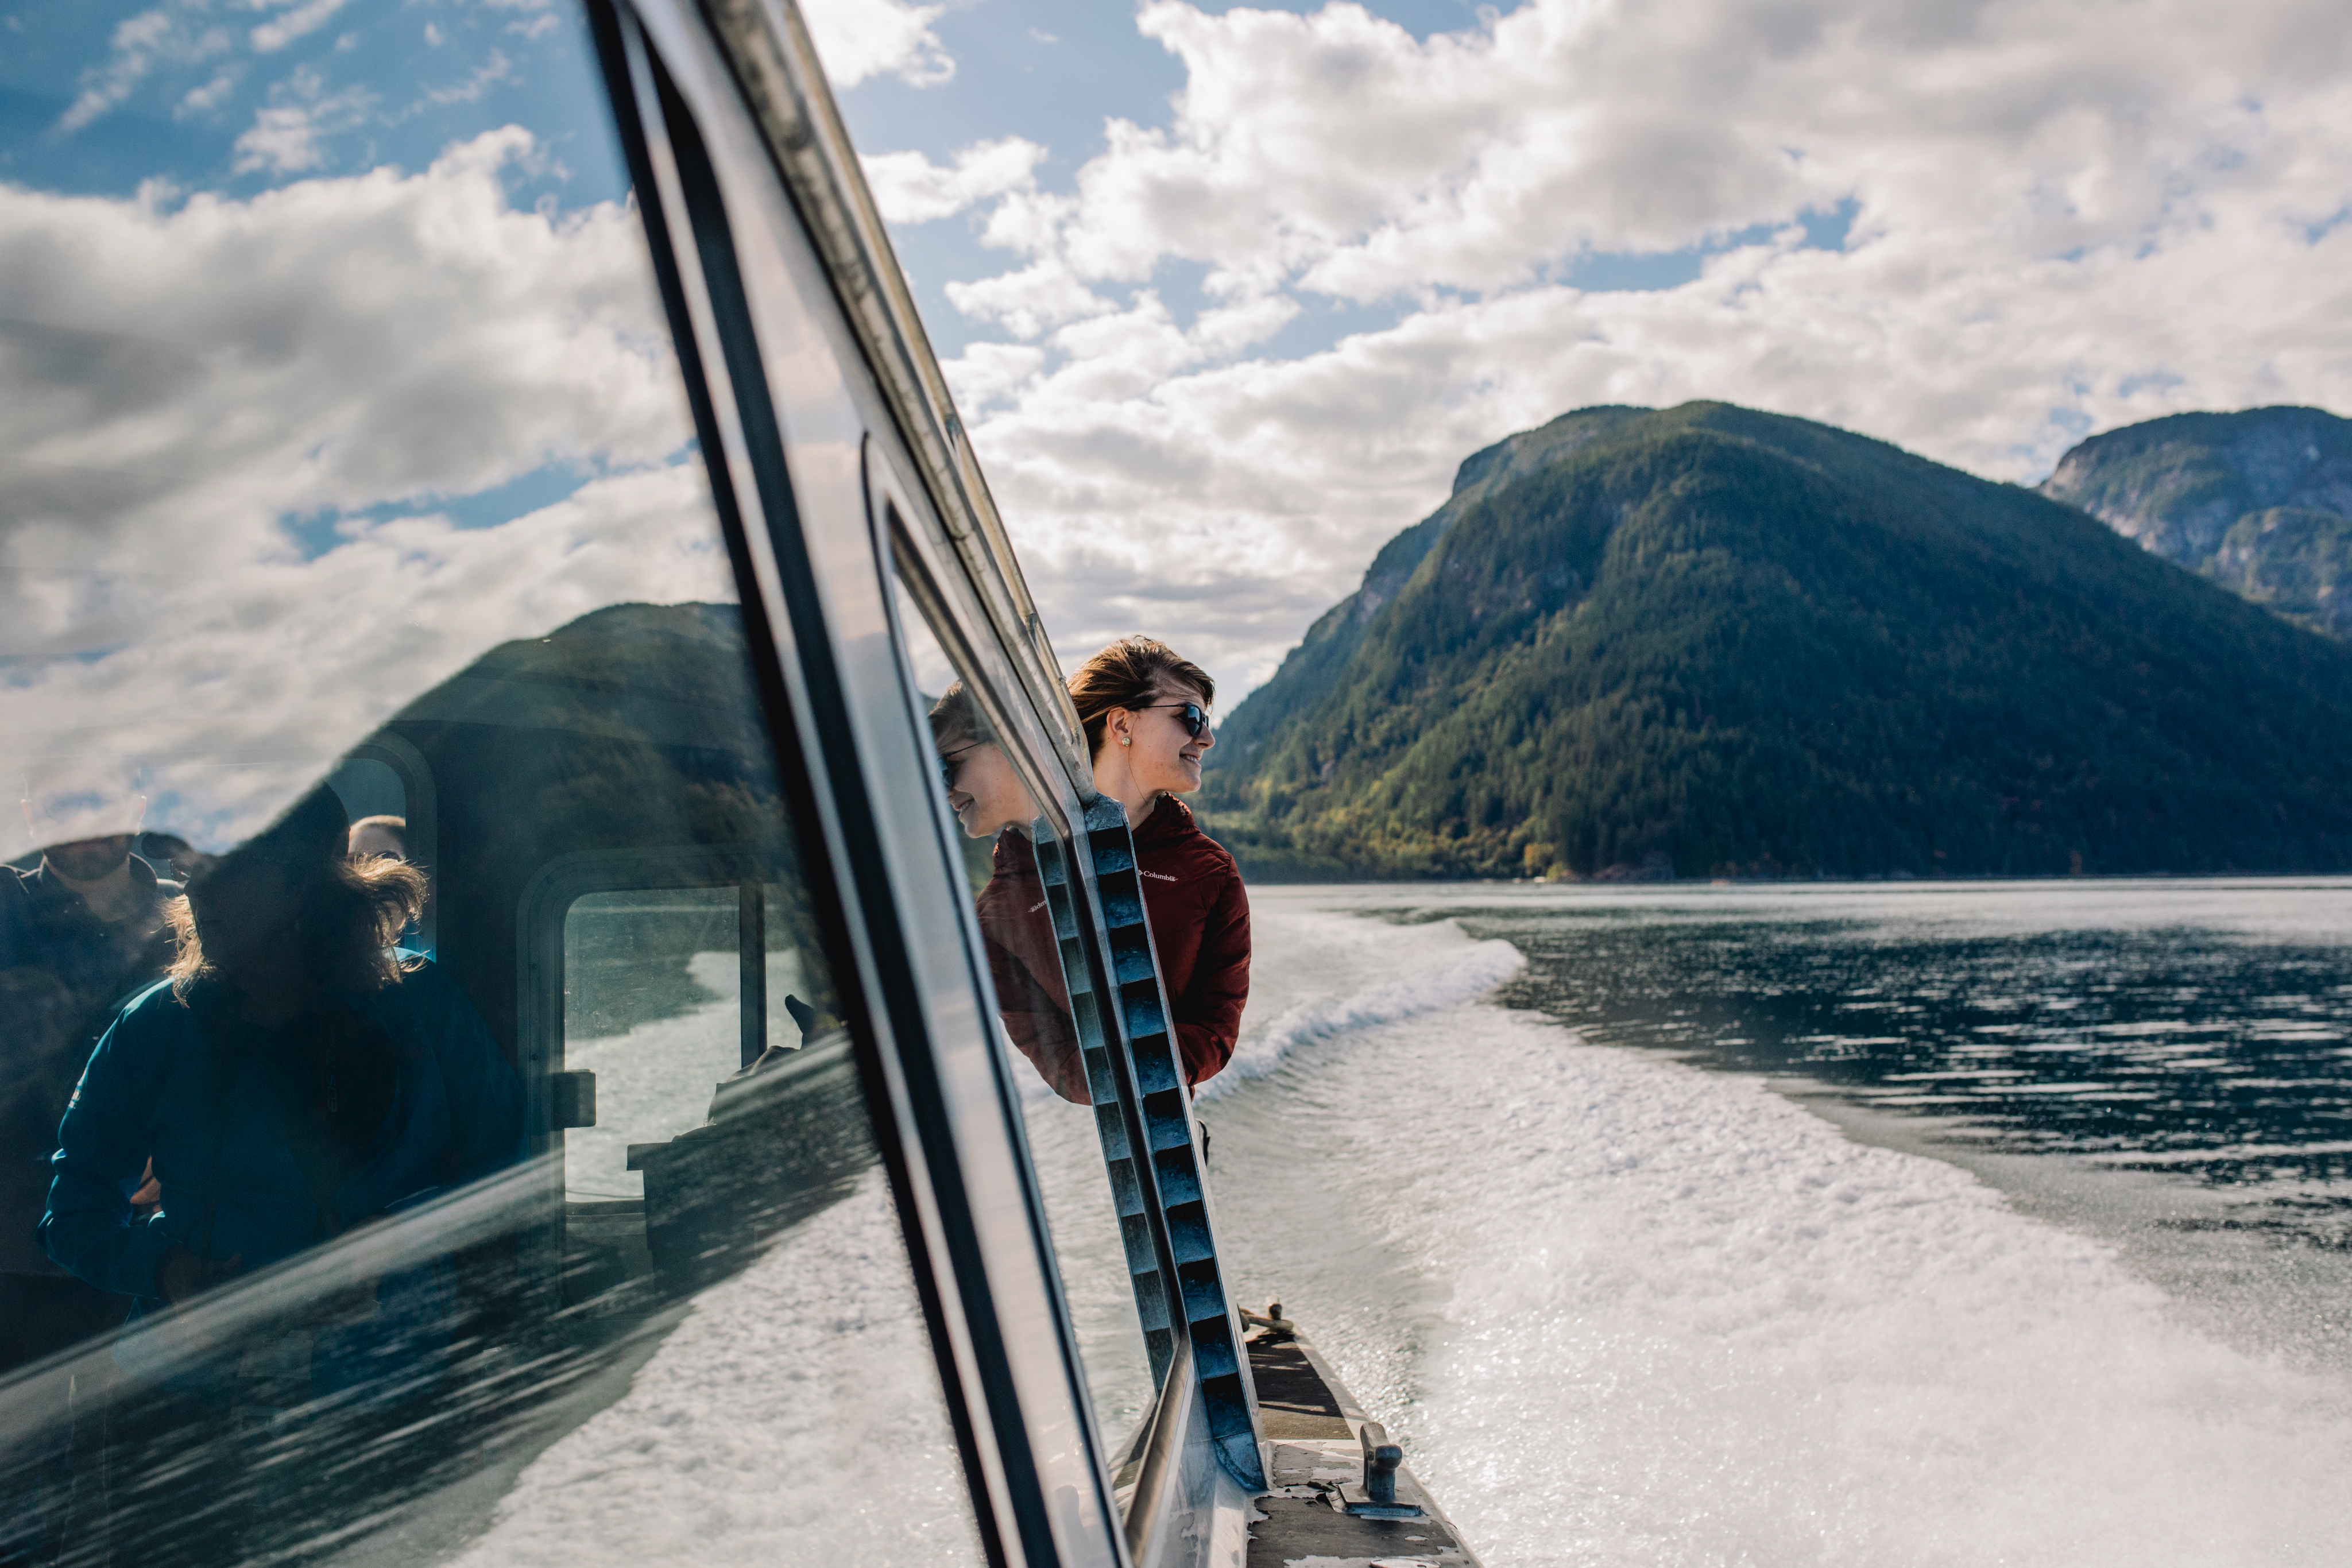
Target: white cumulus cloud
(911,189)
(233,533)
(861,38)
(2040,220)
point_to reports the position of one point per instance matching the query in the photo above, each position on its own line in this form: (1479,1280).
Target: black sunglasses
(951,762)
(1192,719)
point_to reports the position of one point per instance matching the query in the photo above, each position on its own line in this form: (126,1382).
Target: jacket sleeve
(485,1101)
(1209,1013)
(1040,1029)
(90,1229)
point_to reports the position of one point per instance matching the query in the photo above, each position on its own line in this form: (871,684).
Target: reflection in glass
(657,1007)
(84,927)
(492,1183)
(1002,826)
(992,805)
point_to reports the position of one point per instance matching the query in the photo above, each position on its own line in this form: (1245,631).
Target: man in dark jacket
(79,935)
(1199,913)
(1192,893)
(1146,712)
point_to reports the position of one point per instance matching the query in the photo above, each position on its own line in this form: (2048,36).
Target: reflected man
(80,934)
(379,838)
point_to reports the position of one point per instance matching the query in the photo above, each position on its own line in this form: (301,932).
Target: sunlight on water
(1626,1310)
(791,1416)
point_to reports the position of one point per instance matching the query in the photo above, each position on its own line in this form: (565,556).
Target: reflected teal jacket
(157,1087)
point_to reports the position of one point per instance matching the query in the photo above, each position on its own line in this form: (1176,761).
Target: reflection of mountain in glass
(624,748)
(634,729)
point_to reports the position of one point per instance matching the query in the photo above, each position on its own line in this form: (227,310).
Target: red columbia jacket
(1199,911)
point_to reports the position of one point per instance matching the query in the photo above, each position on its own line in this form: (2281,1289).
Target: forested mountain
(2259,501)
(1724,643)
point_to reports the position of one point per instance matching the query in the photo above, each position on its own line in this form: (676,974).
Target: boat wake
(1624,1311)
(1465,972)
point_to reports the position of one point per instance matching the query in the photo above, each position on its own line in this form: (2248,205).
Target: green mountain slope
(1311,669)
(1727,642)
(2258,501)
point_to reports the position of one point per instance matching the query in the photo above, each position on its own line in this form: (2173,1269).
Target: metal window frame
(944,595)
(748,303)
(1123,1011)
(540,1000)
(803,325)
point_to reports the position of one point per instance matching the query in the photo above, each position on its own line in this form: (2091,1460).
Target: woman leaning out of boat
(1146,712)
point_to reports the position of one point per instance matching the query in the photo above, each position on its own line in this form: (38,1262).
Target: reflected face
(1163,755)
(88,859)
(241,914)
(983,791)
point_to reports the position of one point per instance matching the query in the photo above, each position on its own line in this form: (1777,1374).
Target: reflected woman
(1024,959)
(296,1079)
(1146,711)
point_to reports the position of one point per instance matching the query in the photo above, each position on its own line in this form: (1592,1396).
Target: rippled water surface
(2196,1027)
(1834,1226)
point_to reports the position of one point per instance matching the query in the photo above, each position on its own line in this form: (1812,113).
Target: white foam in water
(1465,973)
(793,1417)
(1624,1311)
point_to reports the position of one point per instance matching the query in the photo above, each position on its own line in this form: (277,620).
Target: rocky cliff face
(2258,501)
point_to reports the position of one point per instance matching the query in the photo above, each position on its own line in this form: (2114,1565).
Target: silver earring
(1127,740)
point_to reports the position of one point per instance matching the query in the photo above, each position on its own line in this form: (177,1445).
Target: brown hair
(350,914)
(957,721)
(1130,673)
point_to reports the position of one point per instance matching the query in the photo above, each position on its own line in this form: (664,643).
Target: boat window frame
(539,997)
(668,82)
(910,556)
(753,67)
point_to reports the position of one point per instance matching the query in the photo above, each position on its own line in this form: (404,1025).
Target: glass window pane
(429,1134)
(657,1004)
(1007,843)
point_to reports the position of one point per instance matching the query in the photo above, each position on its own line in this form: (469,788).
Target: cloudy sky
(1226,293)
(331,359)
